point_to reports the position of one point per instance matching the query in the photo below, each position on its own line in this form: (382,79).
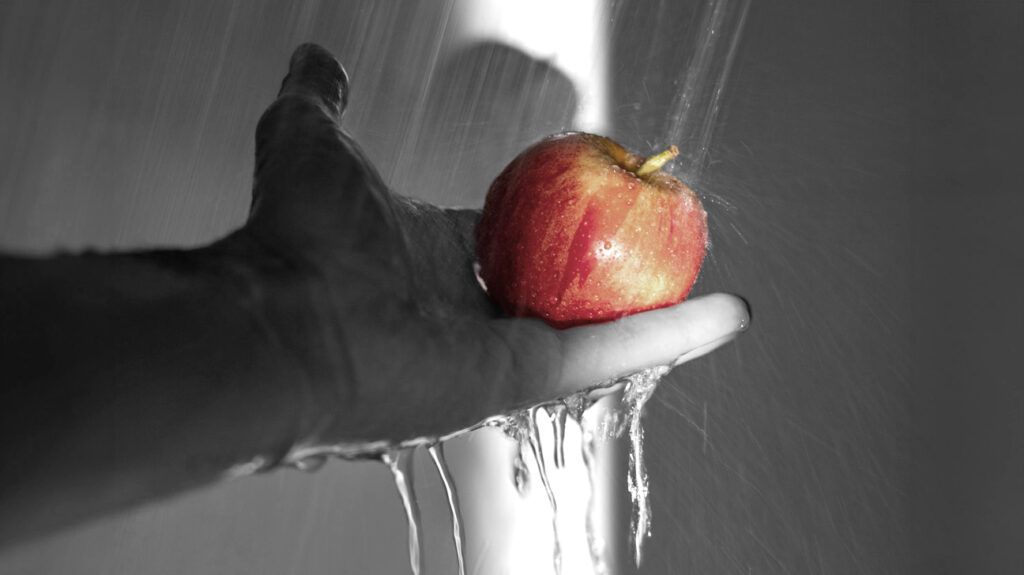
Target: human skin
(340,312)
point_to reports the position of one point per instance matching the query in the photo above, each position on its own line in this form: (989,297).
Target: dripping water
(516,428)
(577,405)
(436,451)
(523,428)
(533,438)
(559,413)
(520,473)
(588,452)
(639,388)
(400,462)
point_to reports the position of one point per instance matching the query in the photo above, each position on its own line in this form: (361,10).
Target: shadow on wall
(485,104)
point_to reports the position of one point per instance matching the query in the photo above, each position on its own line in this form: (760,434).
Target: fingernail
(748,317)
(313,69)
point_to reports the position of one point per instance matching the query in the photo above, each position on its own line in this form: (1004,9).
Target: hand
(395,334)
(340,313)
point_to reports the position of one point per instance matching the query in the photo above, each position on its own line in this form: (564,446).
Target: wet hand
(374,295)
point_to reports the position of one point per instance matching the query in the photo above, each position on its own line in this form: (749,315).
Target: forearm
(128,377)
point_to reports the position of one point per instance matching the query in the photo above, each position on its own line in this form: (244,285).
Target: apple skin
(570,233)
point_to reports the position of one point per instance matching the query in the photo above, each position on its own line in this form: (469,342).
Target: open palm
(398,338)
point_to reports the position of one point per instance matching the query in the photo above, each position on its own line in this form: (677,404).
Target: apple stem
(655,162)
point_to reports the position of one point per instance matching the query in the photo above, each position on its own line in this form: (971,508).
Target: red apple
(577,230)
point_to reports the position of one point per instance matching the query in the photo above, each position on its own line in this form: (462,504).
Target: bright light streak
(518,528)
(572,35)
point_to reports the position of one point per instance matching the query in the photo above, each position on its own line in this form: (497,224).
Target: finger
(431,377)
(529,363)
(314,188)
(599,353)
(307,110)
(315,74)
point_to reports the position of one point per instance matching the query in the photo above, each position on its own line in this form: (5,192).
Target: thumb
(315,74)
(314,189)
(304,118)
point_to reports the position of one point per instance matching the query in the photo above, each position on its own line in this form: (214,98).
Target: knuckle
(292,114)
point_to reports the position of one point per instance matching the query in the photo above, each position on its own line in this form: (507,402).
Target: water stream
(639,388)
(536,447)
(559,415)
(595,541)
(436,451)
(531,430)
(400,462)
(695,108)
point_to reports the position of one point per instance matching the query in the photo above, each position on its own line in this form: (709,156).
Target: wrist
(281,301)
(141,374)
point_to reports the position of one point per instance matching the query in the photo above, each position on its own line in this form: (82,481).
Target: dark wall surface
(864,191)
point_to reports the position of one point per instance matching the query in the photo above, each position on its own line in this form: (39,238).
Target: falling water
(639,388)
(559,414)
(516,427)
(576,407)
(436,451)
(400,462)
(520,473)
(695,108)
(533,437)
(524,428)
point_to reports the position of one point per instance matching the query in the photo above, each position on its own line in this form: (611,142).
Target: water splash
(523,427)
(639,388)
(400,462)
(436,451)
(517,428)
(577,405)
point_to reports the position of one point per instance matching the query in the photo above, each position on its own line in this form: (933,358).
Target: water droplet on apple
(479,278)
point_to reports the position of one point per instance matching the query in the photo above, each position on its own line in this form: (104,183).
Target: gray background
(864,195)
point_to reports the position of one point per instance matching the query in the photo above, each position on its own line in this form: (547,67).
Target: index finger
(599,353)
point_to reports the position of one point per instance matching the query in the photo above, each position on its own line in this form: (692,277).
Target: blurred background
(863,183)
